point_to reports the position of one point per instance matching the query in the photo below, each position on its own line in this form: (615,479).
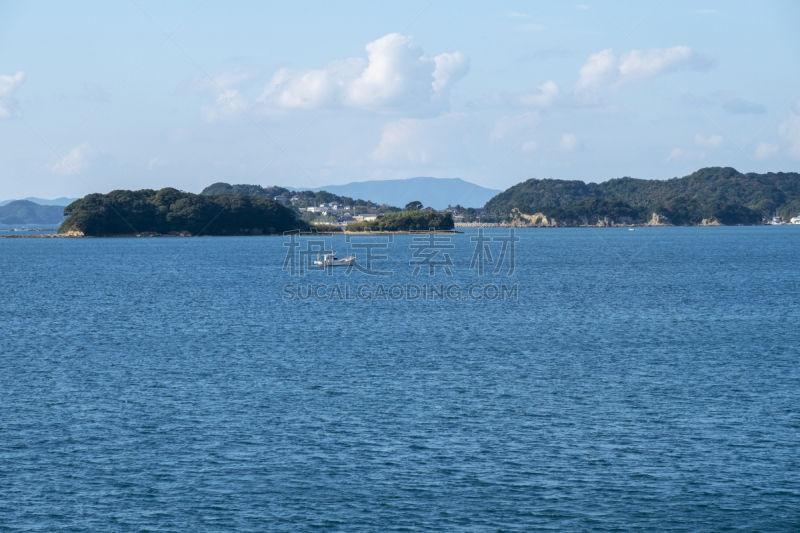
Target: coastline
(372,233)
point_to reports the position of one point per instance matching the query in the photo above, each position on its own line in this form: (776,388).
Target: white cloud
(530,146)
(424,141)
(227,105)
(604,70)
(223,91)
(449,69)
(790,130)
(77,160)
(599,69)
(396,75)
(8,86)
(515,15)
(636,64)
(713,141)
(568,142)
(766,150)
(543,96)
(676,153)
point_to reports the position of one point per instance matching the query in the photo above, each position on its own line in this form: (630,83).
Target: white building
(795,220)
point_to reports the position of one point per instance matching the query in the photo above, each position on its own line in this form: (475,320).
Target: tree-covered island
(409,220)
(170,211)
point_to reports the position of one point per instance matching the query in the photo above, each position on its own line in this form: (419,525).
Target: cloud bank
(396,75)
(605,71)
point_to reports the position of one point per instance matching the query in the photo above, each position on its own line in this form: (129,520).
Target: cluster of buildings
(345,214)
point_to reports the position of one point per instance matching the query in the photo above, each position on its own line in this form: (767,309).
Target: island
(412,219)
(173,212)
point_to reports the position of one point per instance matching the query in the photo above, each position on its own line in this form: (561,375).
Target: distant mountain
(709,196)
(432,192)
(58,201)
(26,212)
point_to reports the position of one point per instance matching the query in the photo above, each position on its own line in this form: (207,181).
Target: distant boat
(330,260)
(631,229)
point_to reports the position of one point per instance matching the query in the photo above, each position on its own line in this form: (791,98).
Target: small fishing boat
(330,260)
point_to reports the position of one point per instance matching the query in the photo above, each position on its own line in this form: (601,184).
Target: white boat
(330,260)
(631,229)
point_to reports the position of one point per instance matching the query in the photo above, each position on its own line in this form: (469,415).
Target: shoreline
(370,233)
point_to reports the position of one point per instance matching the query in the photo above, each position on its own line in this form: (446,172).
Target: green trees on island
(417,220)
(721,195)
(172,211)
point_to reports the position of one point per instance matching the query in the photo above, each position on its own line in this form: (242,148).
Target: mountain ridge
(432,192)
(712,195)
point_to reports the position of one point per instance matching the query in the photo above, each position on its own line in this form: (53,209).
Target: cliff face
(540,220)
(658,220)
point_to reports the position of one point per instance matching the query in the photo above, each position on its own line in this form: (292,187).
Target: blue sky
(319,93)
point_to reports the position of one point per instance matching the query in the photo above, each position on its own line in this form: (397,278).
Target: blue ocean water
(641,380)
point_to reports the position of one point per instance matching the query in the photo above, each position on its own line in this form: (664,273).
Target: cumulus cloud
(9,86)
(396,75)
(790,130)
(423,141)
(713,141)
(227,105)
(604,70)
(223,91)
(568,142)
(77,160)
(766,150)
(449,69)
(544,95)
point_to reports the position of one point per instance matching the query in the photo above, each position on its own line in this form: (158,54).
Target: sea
(571,379)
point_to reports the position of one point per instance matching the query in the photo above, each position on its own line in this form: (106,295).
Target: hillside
(173,211)
(711,195)
(62,201)
(432,192)
(306,198)
(26,212)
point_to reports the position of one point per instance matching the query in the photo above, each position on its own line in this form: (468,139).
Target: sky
(104,95)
